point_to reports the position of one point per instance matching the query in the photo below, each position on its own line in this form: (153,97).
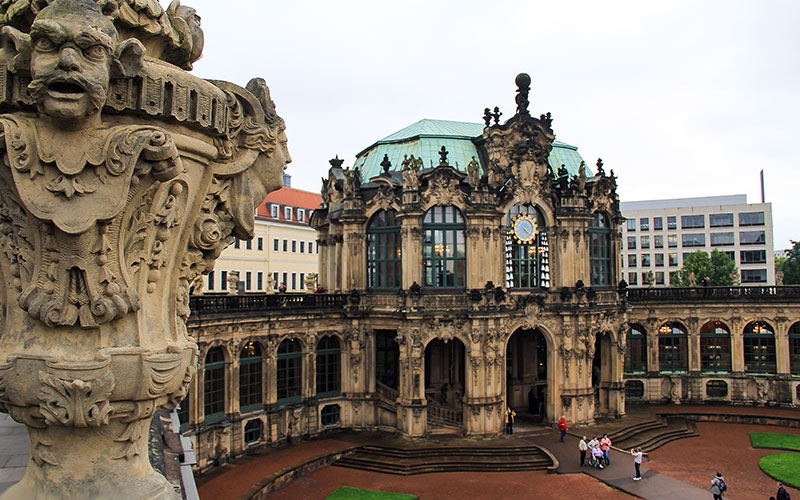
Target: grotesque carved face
(71,55)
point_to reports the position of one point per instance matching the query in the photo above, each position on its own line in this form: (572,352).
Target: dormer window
(287,213)
(273,211)
(301,215)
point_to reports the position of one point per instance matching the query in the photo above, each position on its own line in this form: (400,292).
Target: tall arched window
(383,251)
(759,348)
(527,255)
(329,355)
(214,385)
(600,256)
(444,253)
(672,345)
(250,378)
(636,354)
(715,347)
(290,372)
(794,348)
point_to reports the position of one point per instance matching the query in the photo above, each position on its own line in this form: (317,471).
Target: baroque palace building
(470,267)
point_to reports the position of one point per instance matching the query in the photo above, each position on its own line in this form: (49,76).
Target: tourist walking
(718,486)
(782,493)
(510,414)
(605,445)
(562,426)
(637,463)
(583,447)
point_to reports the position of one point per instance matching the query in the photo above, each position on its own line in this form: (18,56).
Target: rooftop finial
(496,115)
(336,162)
(487,116)
(386,164)
(443,156)
(523,82)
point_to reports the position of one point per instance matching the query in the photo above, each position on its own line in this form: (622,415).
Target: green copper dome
(425,138)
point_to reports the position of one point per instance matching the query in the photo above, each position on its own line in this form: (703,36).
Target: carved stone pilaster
(105,226)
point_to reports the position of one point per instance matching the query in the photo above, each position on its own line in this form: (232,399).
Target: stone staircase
(653,434)
(447,459)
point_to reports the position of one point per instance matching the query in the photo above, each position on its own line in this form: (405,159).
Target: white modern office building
(659,234)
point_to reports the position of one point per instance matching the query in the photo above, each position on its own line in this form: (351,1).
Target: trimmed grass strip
(347,493)
(775,440)
(784,467)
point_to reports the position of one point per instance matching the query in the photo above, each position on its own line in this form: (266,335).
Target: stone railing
(257,302)
(386,393)
(716,294)
(445,414)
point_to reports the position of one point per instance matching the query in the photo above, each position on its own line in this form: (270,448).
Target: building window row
(289,213)
(444,249)
(759,350)
(697,221)
(293,246)
(288,377)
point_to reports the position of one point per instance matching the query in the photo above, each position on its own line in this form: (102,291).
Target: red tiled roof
(290,197)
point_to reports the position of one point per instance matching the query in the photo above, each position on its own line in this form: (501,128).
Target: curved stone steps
(446,459)
(629,432)
(652,437)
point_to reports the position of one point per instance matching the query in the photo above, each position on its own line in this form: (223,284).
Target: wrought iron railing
(255,302)
(716,294)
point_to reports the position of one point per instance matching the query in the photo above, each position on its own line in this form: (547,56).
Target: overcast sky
(679,98)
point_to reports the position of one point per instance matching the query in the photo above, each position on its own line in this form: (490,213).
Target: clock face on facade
(523,228)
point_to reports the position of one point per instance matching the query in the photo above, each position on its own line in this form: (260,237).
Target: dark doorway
(387,358)
(526,373)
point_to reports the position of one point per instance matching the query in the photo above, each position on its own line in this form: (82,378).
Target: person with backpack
(782,493)
(718,486)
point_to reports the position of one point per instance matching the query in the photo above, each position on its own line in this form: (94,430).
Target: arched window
(527,255)
(672,344)
(329,355)
(636,354)
(253,430)
(794,348)
(290,372)
(600,257)
(444,253)
(715,347)
(384,251)
(250,378)
(214,385)
(759,348)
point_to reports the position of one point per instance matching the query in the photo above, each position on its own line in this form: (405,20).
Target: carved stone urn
(123,178)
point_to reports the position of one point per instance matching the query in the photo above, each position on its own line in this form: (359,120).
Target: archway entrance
(445,383)
(526,373)
(602,375)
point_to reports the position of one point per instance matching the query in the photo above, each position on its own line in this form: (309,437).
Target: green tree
(718,267)
(790,265)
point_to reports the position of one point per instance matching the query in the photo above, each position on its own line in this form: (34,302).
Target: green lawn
(783,467)
(774,440)
(345,493)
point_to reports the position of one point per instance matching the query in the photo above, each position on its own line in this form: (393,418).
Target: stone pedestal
(105,221)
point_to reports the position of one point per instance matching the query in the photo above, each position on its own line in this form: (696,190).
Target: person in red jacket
(562,426)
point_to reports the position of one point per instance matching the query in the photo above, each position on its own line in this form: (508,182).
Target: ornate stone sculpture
(105,221)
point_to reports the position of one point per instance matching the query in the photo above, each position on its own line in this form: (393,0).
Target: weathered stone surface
(123,178)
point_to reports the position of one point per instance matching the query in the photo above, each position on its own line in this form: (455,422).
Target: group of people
(599,454)
(598,450)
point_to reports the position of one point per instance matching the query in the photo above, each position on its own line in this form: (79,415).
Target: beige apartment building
(284,249)
(660,234)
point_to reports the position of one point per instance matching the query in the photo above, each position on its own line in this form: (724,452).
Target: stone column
(105,223)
